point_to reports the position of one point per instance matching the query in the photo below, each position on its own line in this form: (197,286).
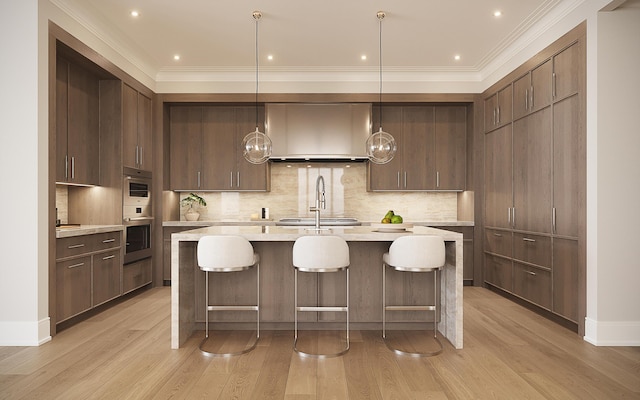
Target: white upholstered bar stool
(414,253)
(222,253)
(320,254)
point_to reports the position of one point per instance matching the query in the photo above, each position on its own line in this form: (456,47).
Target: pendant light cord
(256,18)
(380,17)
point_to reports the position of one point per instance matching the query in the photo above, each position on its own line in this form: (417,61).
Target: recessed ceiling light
(135,13)
(363,57)
(497,13)
(269,57)
(176,57)
(456,57)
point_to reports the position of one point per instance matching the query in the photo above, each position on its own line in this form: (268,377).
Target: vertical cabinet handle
(526,99)
(398,179)
(238,179)
(141,156)
(405,179)
(498,114)
(73,168)
(437,179)
(553,220)
(66,167)
(137,162)
(553,85)
(513,218)
(198,179)
(494,117)
(531,98)
(231,179)
(509,216)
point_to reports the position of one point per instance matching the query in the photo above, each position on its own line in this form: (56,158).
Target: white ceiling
(418,36)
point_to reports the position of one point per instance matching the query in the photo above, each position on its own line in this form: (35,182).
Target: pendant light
(256,145)
(381,146)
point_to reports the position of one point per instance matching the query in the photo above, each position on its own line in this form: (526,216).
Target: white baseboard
(608,333)
(25,333)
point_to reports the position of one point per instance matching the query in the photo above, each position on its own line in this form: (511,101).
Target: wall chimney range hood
(318,131)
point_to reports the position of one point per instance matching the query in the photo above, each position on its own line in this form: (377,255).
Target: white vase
(191,215)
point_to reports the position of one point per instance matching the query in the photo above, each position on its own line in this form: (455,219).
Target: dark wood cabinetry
(534,176)
(431,151)
(136,129)
(136,275)
(77,124)
(88,272)
(497,109)
(206,149)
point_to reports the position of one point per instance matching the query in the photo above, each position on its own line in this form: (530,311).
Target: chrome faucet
(320,201)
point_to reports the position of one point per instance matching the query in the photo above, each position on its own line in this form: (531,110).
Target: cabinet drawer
(498,242)
(136,275)
(533,284)
(533,249)
(108,240)
(77,245)
(497,271)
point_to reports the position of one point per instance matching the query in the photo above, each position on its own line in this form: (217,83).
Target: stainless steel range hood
(318,131)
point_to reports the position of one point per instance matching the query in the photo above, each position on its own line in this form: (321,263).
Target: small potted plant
(191,214)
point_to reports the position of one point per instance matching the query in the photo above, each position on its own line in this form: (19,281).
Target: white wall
(23,173)
(614,299)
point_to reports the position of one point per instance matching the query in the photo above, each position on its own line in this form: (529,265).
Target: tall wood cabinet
(535,180)
(206,149)
(431,151)
(136,129)
(77,124)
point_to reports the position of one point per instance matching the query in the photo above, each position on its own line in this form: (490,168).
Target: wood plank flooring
(509,353)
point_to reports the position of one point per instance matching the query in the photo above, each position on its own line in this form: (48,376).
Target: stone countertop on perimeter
(81,230)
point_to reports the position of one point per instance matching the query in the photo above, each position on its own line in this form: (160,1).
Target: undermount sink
(323,222)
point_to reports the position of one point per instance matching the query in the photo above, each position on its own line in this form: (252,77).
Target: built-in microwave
(136,190)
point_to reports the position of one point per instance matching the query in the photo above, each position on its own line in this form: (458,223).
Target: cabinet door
(136,275)
(521,96)
(451,147)
(186,147)
(73,287)
(129,126)
(505,99)
(145,152)
(490,113)
(568,67)
(387,176)
(83,127)
(106,276)
(568,166)
(250,176)
(498,178)
(418,135)
(219,149)
(62,81)
(565,278)
(540,92)
(532,284)
(532,141)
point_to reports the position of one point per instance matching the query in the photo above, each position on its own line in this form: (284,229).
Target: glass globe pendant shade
(381,147)
(256,147)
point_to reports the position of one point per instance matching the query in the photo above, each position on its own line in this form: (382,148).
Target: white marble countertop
(272,223)
(81,230)
(285,233)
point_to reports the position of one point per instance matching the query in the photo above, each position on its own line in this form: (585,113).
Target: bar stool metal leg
(209,308)
(434,308)
(319,309)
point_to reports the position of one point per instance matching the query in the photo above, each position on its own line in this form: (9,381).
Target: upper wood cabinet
(498,108)
(533,91)
(77,124)
(136,129)
(431,151)
(498,177)
(567,70)
(206,149)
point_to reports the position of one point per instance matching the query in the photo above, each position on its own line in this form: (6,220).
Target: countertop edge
(87,230)
(273,223)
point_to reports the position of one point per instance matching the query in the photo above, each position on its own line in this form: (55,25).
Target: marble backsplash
(293,192)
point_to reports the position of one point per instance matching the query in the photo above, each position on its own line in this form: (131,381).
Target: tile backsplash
(293,192)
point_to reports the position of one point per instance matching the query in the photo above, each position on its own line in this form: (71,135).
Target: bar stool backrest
(320,253)
(417,252)
(224,252)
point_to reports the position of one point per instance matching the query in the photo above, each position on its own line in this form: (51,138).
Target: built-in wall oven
(136,214)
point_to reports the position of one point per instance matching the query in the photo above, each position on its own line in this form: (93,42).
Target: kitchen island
(274,244)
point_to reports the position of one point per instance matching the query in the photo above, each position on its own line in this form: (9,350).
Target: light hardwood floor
(509,353)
